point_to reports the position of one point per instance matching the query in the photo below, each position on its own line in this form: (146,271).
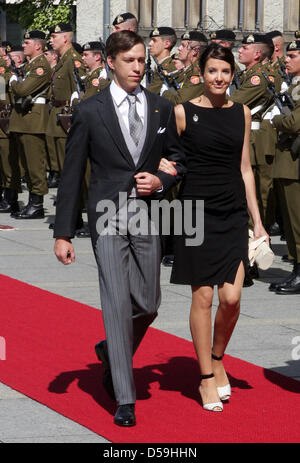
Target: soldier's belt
(255,125)
(39,100)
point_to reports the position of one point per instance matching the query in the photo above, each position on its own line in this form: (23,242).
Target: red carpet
(50,358)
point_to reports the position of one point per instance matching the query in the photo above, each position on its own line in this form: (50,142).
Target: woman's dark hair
(122,41)
(217,52)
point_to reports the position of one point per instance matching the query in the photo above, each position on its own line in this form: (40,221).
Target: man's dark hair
(122,41)
(217,52)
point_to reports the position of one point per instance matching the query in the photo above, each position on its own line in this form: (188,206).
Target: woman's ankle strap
(213,356)
(207,376)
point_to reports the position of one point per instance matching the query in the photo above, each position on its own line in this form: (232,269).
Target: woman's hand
(259,231)
(167,166)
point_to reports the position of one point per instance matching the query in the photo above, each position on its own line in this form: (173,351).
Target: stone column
(164,13)
(291,15)
(273,14)
(89,20)
(231,14)
(215,11)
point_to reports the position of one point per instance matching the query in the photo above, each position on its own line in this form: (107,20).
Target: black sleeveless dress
(213,142)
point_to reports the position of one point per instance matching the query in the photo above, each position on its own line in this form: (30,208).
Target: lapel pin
(195,118)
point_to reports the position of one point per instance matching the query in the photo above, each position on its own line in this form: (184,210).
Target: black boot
(33,210)
(9,202)
(292,284)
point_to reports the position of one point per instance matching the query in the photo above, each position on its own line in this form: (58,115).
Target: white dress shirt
(120,98)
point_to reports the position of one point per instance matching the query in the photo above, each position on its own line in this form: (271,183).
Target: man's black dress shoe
(292,287)
(125,415)
(83,232)
(168,261)
(102,354)
(274,230)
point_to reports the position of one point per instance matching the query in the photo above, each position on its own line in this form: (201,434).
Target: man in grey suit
(125,131)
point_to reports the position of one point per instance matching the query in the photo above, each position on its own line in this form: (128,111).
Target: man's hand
(147,183)
(64,251)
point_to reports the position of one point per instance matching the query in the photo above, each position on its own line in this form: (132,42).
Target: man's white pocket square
(161,130)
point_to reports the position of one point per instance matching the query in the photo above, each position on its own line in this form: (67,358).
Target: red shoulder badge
(95,82)
(255,80)
(195,80)
(77,63)
(40,71)
(2,70)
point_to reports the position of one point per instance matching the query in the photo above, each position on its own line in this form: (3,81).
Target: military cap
(15,48)
(161,31)
(255,38)
(295,45)
(60,28)
(273,34)
(93,46)
(223,34)
(194,36)
(35,35)
(77,47)
(5,44)
(121,18)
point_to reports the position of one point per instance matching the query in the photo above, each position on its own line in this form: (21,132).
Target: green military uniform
(157,82)
(286,170)
(253,93)
(191,85)
(190,80)
(94,83)
(62,88)
(29,121)
(9,163)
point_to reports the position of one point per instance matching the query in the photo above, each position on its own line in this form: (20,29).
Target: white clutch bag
(260,252)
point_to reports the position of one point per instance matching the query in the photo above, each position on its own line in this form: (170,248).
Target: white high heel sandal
(223,391)
(214,406)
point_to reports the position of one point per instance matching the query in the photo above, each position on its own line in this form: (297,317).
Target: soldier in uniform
(125,22)
(253,93)
(63,87)
(53,168)
(192,45)
(29,119)
(96,79)
(9,166)
(287,171)
(162,41)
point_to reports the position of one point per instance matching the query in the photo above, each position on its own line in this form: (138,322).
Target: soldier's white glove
(275,112)
(103,74)
(284,87)
(12,79)
(164,88)
(74,96)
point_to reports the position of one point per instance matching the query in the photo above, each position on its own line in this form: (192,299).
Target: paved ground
(264,335)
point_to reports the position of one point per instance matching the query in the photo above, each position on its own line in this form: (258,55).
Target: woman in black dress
(215,135)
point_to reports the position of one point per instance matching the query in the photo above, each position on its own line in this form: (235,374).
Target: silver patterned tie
(135,122)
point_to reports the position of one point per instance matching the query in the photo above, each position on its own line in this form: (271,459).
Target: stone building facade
(239,15)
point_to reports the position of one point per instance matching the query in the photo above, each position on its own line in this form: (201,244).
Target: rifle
(285,105)
(282,71)
(283,100)
(65,117)
(17,71)
(168,79)
(236,80)
(79,82)
(149,72)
